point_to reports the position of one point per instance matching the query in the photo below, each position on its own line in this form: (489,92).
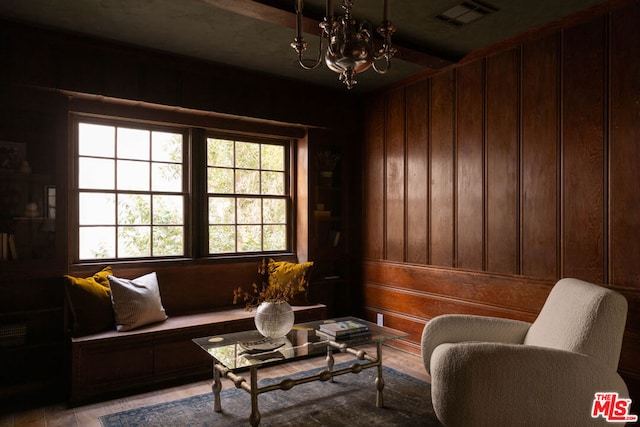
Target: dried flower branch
(277,292)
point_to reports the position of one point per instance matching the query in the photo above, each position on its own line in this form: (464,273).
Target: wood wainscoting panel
(583,153)
(463,288)
(373,245)
(409,295)
(470,170)
(394,176)
(540,159)
(624,220)
(417,194)
(441,170)
(502,164)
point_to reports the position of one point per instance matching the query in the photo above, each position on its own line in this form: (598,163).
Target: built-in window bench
(198,299)
(112,363)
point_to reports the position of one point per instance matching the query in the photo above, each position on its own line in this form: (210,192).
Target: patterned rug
(349,401)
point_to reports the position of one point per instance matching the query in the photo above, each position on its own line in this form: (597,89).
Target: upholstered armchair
(499,372)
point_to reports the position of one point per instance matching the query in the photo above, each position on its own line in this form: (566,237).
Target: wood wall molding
(409,295)
(502,295)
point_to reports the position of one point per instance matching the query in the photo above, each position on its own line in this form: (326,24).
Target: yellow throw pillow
(90,301)
(280,273)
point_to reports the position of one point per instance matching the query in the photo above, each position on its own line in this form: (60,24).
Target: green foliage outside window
(130,185)
(247,196)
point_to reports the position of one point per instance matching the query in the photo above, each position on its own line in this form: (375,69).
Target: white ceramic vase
(274,319)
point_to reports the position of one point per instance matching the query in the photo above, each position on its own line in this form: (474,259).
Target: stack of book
(344,330)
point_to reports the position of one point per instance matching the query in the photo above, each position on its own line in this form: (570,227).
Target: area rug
(349,401)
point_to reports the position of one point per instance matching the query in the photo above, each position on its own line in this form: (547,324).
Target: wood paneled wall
(485,184)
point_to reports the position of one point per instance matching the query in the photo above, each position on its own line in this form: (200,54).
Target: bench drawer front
(175,351)
(108,365)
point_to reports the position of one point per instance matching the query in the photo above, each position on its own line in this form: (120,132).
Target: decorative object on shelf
(274,319)
(31,210)
(327,162)
(350,48)
(25,168)
(11,155)
(320,211)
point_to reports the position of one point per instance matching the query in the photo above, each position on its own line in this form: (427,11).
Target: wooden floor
(87,416)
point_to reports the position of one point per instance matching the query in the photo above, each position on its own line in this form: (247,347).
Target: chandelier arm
(380,70)
(318,60)
(309,67)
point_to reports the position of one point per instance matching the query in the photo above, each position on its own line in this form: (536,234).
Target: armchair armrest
(478,384)
(453,328)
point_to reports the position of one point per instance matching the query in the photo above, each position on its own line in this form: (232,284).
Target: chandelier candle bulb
(299,7)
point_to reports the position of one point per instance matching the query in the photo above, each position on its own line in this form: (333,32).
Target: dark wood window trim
(197,124)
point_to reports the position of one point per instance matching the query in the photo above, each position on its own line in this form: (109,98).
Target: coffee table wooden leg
(216,387)
(379,379)
(254,419)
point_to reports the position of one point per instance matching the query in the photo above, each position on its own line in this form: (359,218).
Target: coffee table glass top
(249,348)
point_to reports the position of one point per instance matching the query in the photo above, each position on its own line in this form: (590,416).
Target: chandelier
(350,49)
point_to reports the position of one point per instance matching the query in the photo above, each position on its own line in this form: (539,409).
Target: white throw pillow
(136,302)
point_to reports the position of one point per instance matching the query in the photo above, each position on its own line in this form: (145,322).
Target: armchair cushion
(582,317)
(475,384)
(453,328)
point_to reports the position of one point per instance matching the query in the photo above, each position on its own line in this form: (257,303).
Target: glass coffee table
(236,352)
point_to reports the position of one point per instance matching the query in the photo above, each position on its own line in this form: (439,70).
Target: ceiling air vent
(466,12)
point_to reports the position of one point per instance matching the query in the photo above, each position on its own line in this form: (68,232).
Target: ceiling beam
(256,9)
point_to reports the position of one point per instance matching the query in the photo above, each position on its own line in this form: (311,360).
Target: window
(248,194)
(134,195)
(131,191)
